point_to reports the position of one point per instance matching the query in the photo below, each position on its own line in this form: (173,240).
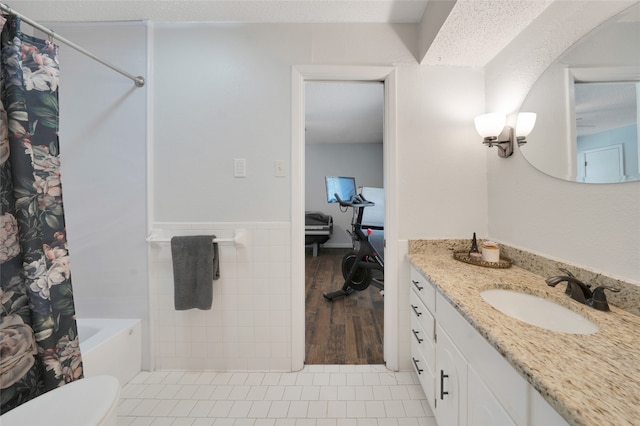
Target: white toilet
(91,401)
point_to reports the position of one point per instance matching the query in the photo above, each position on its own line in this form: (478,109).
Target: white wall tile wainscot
(249,324)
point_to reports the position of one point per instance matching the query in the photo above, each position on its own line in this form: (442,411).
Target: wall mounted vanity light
(494,132)
(524,126)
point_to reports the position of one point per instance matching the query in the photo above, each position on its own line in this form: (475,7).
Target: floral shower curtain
(38,336)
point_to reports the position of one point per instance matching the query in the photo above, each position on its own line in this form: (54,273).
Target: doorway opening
(300,76)
(344,141)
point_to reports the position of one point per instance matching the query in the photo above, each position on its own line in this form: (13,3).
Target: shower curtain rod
(138,80)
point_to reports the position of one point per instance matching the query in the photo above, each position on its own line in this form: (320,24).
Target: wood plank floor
(348,330)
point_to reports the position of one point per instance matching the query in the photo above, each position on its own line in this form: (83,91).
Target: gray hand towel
(195,266)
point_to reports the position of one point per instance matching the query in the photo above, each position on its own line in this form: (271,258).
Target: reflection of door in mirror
(602,165)
(606,117)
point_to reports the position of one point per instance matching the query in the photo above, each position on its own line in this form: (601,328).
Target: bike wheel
(362,276)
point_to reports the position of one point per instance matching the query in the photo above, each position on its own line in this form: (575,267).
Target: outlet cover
(280,168)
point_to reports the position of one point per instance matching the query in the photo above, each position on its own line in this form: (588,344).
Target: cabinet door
(483,408)
(495,371)
(451,382)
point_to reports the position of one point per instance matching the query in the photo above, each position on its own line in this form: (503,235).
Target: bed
(318,228)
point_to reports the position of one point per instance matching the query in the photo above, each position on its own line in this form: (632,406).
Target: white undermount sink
(538,311)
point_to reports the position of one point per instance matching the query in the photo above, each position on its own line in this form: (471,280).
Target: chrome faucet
(576,289)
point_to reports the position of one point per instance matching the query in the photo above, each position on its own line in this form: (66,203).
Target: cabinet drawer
(424,289)
(423,342)
(422,315)
(424,372)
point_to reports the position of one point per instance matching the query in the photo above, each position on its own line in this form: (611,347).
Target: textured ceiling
(270,11)
(605,106)
(474,32)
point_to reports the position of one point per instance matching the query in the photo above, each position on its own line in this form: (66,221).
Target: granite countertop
(589,379)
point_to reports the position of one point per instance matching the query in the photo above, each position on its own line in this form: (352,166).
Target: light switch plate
(240,167)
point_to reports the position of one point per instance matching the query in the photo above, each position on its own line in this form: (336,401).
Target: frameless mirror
(587,107)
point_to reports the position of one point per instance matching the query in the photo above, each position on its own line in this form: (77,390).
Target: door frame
(387,75)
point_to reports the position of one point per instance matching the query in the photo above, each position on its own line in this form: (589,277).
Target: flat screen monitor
(345,187)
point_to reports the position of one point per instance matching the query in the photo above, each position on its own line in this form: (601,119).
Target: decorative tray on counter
(463,256)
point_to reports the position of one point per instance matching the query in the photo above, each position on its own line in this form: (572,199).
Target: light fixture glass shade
(490,125)
(525,123)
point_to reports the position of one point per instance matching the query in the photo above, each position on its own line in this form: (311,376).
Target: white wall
(362,161)
(594,226)
(441,168)
(223,92)
(103,153)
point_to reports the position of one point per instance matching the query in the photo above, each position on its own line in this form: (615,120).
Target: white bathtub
(111,346)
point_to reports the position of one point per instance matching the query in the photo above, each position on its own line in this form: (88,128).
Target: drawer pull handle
(416,283)
(415,309)
(415,334)
(442,377)
(418,369)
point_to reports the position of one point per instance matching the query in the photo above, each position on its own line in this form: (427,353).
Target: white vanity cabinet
(423,329)
(465,380)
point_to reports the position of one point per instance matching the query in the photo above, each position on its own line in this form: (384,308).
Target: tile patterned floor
(319,395)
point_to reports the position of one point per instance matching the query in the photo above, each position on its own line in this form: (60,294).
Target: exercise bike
(358,267)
